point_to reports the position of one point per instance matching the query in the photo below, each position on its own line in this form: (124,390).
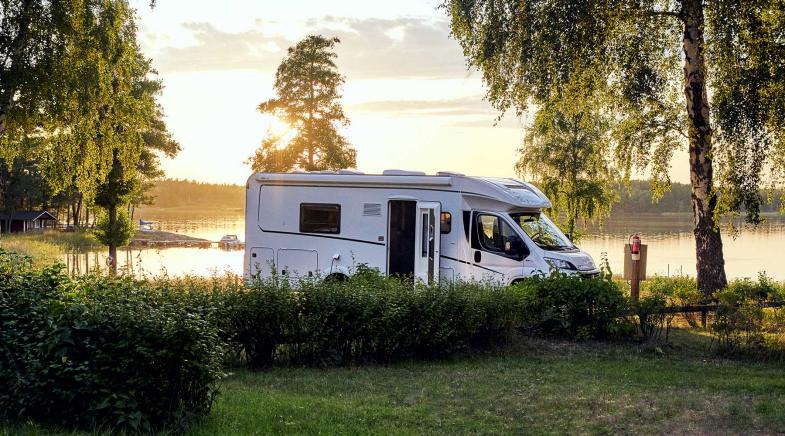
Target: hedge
(101,352)
(371,318)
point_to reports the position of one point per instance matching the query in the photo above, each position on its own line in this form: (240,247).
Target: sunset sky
(411,101)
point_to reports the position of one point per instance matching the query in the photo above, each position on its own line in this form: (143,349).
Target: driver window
(492,232)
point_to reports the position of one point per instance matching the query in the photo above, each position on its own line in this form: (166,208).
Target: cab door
(427,242)
(498,252)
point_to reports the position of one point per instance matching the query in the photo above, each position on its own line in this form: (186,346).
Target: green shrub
(659,293)
(569,306)
(101,352)
(367,318)
(738,321)
(742,325)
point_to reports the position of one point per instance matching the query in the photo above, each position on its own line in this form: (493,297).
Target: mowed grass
(530,387)
(538,387)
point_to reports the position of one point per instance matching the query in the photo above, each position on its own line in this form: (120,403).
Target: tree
(566,151)
(128,119)
(157,140)
(654,62)
(115,231)
(30,37)
(307,87)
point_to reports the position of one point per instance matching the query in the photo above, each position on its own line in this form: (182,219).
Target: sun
(277,127)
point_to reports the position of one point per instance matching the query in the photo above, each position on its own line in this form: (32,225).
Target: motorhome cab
(446,226)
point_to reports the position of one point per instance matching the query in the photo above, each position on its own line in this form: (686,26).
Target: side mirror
(513,246)
(569,236)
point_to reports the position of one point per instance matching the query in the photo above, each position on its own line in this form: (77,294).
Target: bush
(101,352)
(659,293)
(569,306)
(368,318)
(120,234)
(742,325)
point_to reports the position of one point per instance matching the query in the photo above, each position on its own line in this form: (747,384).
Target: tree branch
(649,13)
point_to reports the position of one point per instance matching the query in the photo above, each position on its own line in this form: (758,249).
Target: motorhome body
(446,226)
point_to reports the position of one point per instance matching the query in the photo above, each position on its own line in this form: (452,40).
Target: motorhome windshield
(542,231)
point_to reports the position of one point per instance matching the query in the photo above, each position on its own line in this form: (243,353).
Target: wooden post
(635,282)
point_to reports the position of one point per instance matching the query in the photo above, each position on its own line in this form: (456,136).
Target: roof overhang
(351,179)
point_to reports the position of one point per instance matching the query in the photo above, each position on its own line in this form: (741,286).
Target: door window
(493,234)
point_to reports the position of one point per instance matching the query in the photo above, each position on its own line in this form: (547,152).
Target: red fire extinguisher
(635,247)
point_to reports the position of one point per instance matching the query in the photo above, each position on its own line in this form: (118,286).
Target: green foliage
(748,95)
(660,292)
(567,152)
(116,232)
(101,352)
(78,99)
(307,98)
(569,306)
(742,325)
(368,318)
(627,58)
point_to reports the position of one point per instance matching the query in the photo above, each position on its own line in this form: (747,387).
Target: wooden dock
(162,239)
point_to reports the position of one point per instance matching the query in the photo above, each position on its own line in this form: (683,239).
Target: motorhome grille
(372,209)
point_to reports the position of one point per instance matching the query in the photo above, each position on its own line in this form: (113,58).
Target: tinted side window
(446,222)
(491,232)
(467,218)
(320,218)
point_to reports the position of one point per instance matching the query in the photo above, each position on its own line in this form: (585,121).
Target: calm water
(671,247)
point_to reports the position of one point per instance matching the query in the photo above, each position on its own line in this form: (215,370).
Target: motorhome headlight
(560,264)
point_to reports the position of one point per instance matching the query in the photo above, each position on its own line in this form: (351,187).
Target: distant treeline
(634,199)
(637,199)
(186,193)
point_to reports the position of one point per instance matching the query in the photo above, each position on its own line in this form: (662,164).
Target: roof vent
(402,173)
(450,173)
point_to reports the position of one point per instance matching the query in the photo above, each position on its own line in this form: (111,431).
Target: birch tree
(566,152)
(705,74)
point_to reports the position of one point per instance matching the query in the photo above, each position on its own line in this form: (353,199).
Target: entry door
(427,242)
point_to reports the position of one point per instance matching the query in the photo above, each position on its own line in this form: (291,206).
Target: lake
(671,246)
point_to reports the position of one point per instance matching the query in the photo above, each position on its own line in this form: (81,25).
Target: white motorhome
(446,226)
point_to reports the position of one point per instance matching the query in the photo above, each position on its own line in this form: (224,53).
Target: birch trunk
(710,262)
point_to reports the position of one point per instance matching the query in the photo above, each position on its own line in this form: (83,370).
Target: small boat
(230,241)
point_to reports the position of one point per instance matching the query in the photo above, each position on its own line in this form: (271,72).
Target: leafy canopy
(307,98)
(74,90)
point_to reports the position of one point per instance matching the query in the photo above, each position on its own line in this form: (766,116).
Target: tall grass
(46,247)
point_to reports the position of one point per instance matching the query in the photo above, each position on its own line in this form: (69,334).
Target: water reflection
(174,261)
(672,246)
(670,240)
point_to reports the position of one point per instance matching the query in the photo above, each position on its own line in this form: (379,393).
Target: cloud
(474,105)
(216,50)
(370,48)
(471,111)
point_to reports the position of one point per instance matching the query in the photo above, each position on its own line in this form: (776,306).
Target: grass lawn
(534,386)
